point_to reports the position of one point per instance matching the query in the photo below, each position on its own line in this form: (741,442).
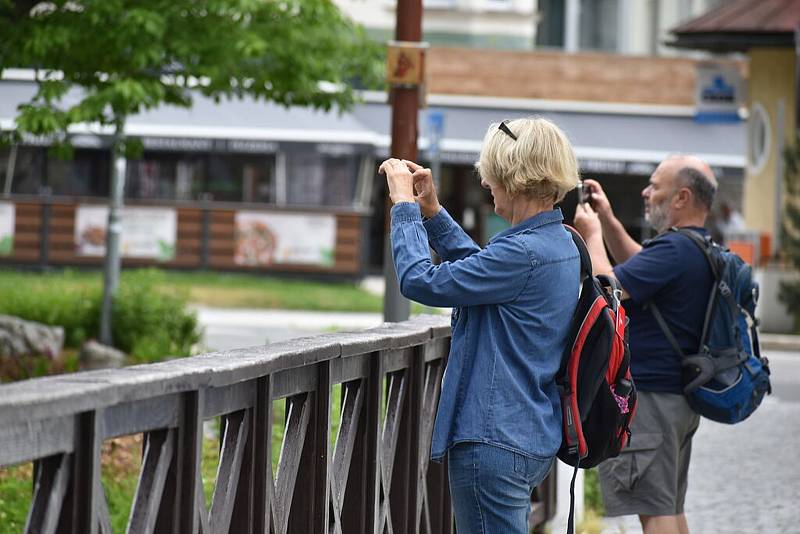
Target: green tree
(102,61)
(790,240)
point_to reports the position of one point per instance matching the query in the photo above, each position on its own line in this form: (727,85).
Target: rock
(19,338)
(94,355)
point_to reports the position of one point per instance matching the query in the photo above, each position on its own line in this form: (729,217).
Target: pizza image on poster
(284,238)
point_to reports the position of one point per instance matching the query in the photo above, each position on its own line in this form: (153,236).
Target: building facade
(509,24)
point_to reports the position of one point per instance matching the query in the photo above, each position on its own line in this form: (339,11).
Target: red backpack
(598,397)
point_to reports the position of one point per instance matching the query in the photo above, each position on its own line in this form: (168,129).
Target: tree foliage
(790,242)
(127,56)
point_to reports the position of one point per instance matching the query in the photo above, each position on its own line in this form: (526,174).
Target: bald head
(696,175)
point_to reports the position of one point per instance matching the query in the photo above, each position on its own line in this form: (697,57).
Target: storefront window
(166,176)
(85,175)
(238,178)
(27,166)
(316,179)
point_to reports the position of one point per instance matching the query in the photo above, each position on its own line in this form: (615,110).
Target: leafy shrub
(150,321)
(67,299)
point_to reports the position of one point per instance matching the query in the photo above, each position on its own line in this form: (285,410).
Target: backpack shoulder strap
(665,328)
(704,244)
(586,259)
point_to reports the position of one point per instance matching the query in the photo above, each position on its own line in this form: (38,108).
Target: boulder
(95,355)
(20,338)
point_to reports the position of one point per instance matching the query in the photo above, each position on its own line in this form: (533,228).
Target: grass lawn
(243,290)
(230,290)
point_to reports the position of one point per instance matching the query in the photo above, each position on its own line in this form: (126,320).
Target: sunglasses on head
(503,127)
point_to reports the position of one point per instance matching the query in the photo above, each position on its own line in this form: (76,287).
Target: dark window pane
(166,176)
(28,172)
(321,180)
(242,178)
(550,31)
(599,21)
(86,174)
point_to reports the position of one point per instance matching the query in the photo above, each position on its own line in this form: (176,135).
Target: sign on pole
(719,93)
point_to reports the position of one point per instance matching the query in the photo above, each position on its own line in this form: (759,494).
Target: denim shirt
(513,304)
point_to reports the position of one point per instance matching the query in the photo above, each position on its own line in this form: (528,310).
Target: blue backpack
(726,379)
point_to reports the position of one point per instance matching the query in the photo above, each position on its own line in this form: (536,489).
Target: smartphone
(582,196)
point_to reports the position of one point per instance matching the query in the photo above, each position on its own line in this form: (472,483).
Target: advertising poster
(270,238)
(146,232)
(7,216)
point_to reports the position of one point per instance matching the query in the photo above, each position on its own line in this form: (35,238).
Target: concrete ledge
(784,342)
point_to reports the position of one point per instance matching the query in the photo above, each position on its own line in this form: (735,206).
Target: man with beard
(649,478)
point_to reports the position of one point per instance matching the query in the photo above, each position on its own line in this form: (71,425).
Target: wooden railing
(376,478)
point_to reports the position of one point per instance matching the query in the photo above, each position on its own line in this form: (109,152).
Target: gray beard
(658,218)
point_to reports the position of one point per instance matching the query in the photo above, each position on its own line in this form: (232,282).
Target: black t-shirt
(674,273)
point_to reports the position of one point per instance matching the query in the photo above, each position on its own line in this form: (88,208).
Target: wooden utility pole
(405,73)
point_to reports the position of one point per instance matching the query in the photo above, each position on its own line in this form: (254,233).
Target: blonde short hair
(540,163)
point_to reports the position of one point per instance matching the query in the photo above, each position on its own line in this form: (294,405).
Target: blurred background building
(602,70)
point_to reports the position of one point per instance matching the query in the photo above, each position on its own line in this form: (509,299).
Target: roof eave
(722,42)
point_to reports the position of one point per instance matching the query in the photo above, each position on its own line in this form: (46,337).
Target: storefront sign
(718,93)
(145,232)
(270,238)
(7,216)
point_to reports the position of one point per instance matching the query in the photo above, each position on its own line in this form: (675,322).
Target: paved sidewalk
(743,478)
(783,342)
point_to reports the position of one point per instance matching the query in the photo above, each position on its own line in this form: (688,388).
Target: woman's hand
(425,190)
(399,180)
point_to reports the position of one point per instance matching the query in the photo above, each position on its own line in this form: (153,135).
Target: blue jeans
(490,488)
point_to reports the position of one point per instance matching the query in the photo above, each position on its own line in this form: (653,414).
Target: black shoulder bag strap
(586,272)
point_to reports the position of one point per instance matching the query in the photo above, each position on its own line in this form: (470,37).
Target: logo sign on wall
(719,93)
(274,238)
(145,233)
(7,212)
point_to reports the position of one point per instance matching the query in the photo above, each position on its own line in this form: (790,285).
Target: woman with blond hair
(499,415)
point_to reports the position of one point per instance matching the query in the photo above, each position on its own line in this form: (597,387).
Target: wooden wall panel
(592,77)
(189,245)
(189,238)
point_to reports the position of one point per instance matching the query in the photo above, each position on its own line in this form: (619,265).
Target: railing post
(415,395)
(310,503)
(262,462)
(403,477)
(242,516)
(372,466)
(322,449)
(438,488)
(188,460)
(86,473)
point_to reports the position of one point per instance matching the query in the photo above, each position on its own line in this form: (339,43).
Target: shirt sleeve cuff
(622,278)
(405,212)
(439,223)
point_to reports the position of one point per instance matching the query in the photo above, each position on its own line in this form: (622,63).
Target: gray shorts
(650,476)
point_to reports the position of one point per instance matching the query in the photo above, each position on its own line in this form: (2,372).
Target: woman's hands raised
(399,180)
(409,182)
(424,189)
